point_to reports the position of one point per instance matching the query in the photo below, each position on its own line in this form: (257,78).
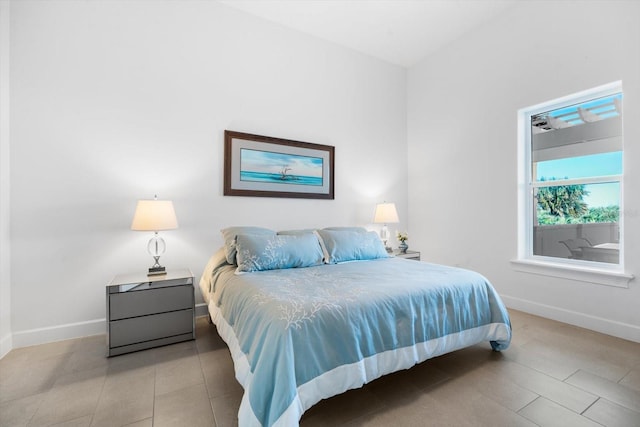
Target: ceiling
(401,32)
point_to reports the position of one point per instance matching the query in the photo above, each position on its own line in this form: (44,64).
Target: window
(571,180)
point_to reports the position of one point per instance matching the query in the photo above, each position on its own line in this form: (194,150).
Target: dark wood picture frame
(263,166)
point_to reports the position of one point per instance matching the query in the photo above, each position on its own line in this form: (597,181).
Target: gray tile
(225,409)
(89,353)
(72,383)
(605,347)
(530,356)
(569,345)
(219,374)
(425,375)
(559,362)
(49,350)
(80,361)
(173,352)
(178,372)
(632,379)
(457,397)
(527,327)
(142,423)
(18,412)
(499,388)
(208,339)
(466,360)
(126,397)
(122,385)
(78,422)
(557,391)
(123,412)
(131,362)
(419,411)
(72,396)
(344,407)
(93,344)
(17,381)
(186,407)
(592,346)
(398,387)
(593,356)
(620,394)
(611,415)
(544,413)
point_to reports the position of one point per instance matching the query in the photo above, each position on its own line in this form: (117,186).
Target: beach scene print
(280,168)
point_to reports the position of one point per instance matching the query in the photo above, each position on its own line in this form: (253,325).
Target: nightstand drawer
(147,328)
(152,301)
(145,312)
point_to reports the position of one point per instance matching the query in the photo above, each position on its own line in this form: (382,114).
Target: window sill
(580,273)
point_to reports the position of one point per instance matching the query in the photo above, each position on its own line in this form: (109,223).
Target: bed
(305,323)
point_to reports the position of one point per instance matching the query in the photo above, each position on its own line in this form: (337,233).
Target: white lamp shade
(154,215)
(386,213)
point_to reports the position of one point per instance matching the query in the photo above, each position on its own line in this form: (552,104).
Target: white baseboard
(6,345)
(59,333)
(64,332)
(587,321)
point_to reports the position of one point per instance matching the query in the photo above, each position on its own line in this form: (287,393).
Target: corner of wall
(6,340)
(6,345)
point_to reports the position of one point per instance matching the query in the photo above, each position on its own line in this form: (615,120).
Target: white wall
(5,242)
(462,142)
(116,101)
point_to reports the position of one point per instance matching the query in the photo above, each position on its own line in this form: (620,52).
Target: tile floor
(552,375)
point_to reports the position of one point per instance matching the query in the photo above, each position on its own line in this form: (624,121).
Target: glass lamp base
(156,248)
(384,236)
(156,271)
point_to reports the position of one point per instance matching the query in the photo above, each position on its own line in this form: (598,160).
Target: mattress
(300,335)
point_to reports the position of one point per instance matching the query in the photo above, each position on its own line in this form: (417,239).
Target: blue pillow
(341,246)
(263,252)
(229,236)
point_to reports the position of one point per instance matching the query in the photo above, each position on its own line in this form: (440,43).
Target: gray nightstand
(149,311)
(414,255)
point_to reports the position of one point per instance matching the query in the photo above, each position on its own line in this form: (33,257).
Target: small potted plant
(402,238)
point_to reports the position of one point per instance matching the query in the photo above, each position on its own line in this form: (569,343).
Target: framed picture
(263,166)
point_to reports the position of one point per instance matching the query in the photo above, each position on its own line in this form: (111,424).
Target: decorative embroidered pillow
(341,246)
(229,236)
(264,252)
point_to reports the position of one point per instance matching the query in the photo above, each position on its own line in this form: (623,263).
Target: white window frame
(526,261)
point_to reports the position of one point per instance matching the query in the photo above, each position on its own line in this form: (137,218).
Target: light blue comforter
(300,335)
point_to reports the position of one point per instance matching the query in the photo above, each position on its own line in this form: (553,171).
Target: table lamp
(385,213)
(155,215)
